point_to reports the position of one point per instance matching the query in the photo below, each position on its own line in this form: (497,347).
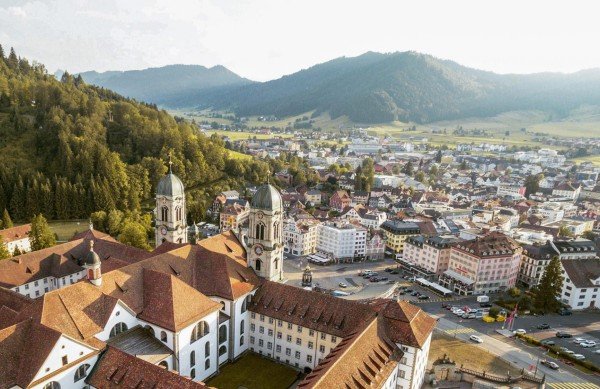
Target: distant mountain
(405,86)
(171,85)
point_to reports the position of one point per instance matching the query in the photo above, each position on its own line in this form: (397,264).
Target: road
(522,356)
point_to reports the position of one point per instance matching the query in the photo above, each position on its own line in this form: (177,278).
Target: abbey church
(96,313)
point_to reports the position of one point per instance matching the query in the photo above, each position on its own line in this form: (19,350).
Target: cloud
(17,11)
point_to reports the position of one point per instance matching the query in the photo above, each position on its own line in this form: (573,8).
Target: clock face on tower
(258,250)
(259,215)
(163,230)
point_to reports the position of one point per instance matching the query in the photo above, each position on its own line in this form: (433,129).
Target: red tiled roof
(15,233)
(117,369)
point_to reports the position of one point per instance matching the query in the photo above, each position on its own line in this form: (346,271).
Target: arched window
(81,372)
(164,213)
(193,358)
(150,329)
(276,263)
(242,341)
(207,349)
(222,334)
(244,306)
(242,327)
(52,385)
(222,350)
(199,331)
(193,373)
(222,306)
(164,365)
(207,364)
(163,336)
(117,329)
(276,230)
(260,231)
(258,264)
(178,213)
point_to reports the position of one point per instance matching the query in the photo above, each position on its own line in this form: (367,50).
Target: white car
(588,344)
(597,351)
(476,339)
(458,312)
(579,357)
(579,340)
(520,331)
(567,351)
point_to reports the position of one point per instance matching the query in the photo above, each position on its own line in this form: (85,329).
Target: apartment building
(581,283)
(396,233)
(300,236)
(483,265)
(430,253)
(341,240)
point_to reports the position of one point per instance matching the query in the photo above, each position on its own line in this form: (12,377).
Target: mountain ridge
(383,87)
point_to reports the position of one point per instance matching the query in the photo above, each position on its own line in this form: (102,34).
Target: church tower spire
(170,222)
(265,233)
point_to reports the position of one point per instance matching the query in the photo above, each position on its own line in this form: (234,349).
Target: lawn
(65,229)
(469,355)
(254,372)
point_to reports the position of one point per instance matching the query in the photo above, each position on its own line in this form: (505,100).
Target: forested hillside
(68,149)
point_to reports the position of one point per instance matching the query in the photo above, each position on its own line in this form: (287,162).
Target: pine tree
(17,201)
(4,253)
(41,236)
(547,292)
(13,61)
(408,168)
(6,220)
(16,251)
(1,52)
(438,156)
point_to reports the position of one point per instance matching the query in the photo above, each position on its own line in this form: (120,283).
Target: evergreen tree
(4,253)
(16,251)
(1,53)
(438,156)
(463,165)
(17,201)
(6,220)
(408,168)
(547,292)
(532,184)
(41,236)
(13,61)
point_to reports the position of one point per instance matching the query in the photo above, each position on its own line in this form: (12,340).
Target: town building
(397,231)
(171,213)
(300,236)
(17,238)
(234,215)
(581,282)
(431,254)
(483,265)
(341,241)
(339,200)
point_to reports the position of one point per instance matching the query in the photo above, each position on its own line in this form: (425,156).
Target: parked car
(409,290)
(548,342)
(485,305)
(543,326)
(394,272)
(550,364)
(476,339)
(414,294)
(579,357)
(520,331)
(561,334)
(588,344)
(597,351)
(564,349)
(424,297)
(579,340)
(388,269)
(383,278)
(458,312)
(342,285)
(570,352)
(565,312)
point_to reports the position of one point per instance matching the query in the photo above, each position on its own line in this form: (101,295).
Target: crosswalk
(462,330)
(572,385)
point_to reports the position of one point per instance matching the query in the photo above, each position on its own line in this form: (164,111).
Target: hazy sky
(268,38)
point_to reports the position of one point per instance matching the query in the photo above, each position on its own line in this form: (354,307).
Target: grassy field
(469,355)
(67,228)
(239,135)
(254,372)
(238,155)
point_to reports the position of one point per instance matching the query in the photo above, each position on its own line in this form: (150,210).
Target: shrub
(514,292)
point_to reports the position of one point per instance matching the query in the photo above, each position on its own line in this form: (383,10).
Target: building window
(163,336)
(262,317)
(252,340)
(193,373)
(270,332)
(260,343)
(269,345)
(310,345)
(243,326)
(207,349)
(311,332)
(164,365)
(258,264)
(164,214)
(253,315)
(52,385)
(81,372)
(242,341)
(222,334)
(278,348)
(260,232)
(207,364)
(323,336)
(279,335)
(401,373)
(288,351)
(300,329)
(297,355)
(279,323)
(222,350)
(289,338)
(117,329)
(309,358)
(289,326)
(193,358)
(299,341)
(261,329)
(252,327)
(200,330)
(322,348)
(334,339)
